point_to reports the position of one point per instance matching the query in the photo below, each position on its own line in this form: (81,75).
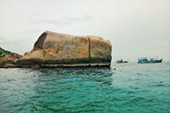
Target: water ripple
(130,88)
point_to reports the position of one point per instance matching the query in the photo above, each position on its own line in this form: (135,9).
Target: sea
(122,88)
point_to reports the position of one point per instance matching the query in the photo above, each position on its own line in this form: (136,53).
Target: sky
(136,28)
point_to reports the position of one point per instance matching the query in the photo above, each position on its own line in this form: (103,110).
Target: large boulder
(55,49)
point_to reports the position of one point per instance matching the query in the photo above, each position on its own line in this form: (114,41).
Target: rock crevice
(89,49)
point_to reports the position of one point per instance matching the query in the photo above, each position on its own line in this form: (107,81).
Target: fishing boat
(151,60)
(121,61)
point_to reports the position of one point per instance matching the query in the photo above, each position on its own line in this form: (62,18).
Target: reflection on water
(129,88)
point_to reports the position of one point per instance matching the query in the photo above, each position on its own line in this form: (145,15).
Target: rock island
(62,50)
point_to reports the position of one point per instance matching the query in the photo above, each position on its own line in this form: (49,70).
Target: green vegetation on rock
(3,52)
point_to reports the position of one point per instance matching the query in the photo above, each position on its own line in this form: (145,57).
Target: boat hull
(121,61)
(151,61)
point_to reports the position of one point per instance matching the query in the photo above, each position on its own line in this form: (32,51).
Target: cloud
(64,21)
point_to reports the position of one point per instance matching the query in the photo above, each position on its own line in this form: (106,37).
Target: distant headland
(61,50)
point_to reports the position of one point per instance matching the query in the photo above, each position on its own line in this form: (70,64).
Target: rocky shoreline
(62,50)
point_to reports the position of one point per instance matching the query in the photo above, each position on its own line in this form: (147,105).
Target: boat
(151,60)
(121,61)
(143,60)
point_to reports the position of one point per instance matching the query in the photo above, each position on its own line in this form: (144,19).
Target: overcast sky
(136,28)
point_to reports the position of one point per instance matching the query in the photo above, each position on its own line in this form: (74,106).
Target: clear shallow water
(131,88)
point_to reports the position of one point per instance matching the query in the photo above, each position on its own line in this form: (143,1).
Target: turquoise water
(131,88)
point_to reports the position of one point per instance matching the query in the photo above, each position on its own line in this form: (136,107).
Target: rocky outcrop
(55,49)
(8,59)
(9,65)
